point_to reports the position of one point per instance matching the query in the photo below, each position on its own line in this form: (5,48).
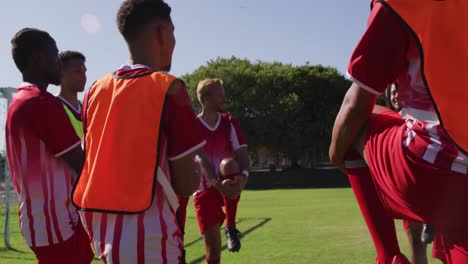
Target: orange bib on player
(122,124)
(438,26)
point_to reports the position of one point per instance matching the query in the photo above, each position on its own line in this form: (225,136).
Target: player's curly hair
(136,14)
(25,43)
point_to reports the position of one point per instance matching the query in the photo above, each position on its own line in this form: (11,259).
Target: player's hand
(242,181)
(337,158)
(229,188)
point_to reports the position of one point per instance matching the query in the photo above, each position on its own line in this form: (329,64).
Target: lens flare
(90,23)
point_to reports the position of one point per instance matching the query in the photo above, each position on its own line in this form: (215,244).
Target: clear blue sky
(294,31)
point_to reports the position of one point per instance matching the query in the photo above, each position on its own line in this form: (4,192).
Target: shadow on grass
(3,249)
(262,222)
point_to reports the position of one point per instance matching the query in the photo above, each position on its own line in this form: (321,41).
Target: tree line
(285,109)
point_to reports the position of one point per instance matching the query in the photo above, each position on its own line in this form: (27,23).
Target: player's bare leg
(418,249)
(212,239)
(229,168)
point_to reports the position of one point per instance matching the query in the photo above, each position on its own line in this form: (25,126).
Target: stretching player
(417,166)
(417,233)
(224,139)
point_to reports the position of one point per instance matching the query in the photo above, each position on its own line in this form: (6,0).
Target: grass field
(279,226)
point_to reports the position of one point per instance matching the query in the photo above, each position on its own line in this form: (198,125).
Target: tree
(286,109)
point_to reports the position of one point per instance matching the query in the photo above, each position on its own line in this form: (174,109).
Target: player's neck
(141,56)
(71,97)
(210,117)
(39,82)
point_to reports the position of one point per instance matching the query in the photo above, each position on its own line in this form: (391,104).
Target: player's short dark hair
(136,14)
(27,41)
(66,56)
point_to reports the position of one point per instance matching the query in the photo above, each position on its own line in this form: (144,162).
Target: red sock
(381,226)
(231,210)
(215,261)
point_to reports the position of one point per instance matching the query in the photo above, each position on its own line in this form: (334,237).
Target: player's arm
(377,61)
(355,111)
(241,155)
(206,167)
(184,137)
(57,133)
(75,159)
(183,180)
(242,158)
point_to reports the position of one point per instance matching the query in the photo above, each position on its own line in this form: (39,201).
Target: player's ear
(162,31)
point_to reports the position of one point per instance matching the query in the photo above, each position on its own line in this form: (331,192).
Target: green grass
(281,226)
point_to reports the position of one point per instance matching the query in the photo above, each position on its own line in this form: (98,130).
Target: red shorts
(451,247)
(438,250)
(409,187)
(208,206)
(75,250)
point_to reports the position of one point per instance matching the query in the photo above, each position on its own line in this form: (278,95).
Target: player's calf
(229,168)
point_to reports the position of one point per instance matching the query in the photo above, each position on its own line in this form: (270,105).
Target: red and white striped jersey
(386,54)
(38,132)
(152,236)
(222,141)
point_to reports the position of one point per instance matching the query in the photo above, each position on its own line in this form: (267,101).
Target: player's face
(74,75)
(168,44)
(51,63)
(217,98)
(394,99)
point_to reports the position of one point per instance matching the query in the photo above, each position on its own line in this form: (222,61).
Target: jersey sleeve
(380,56)
(237,136)
(181,126)
(53,125)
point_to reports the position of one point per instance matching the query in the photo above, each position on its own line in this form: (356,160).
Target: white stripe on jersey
(35,171)
(235,139)
(96,228)
(434,145)
(48,193)
(23,209)
(409,138)
(460,164)
(129,243)
(108,241)
(144,229)
(433,149)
